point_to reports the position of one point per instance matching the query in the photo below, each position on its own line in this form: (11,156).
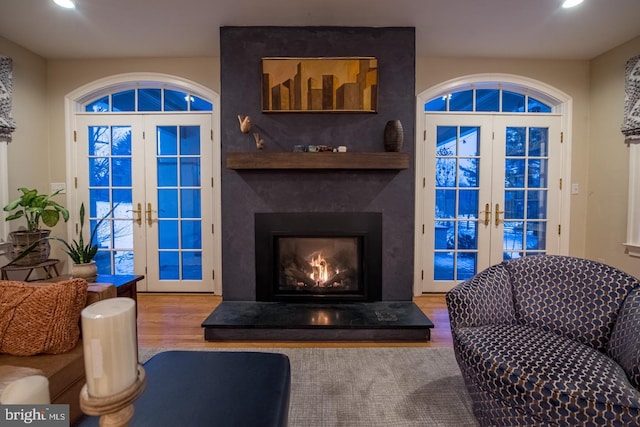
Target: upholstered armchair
(549,340)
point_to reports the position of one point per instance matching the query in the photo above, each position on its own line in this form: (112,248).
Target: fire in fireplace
(318,256)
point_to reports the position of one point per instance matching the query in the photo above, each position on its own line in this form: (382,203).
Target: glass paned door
(179,202)
(150,176)
(490,195)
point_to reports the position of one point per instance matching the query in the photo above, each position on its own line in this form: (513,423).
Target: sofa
(40,334)
(549,340)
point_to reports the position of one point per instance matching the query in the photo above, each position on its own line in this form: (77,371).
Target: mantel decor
(320,84)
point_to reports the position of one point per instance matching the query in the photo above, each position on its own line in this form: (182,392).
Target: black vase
(393,135)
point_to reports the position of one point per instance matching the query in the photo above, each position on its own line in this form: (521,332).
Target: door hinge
(559,229)
(75,182)
(424,135)
(493,136)
(76,228)
(424,182)
(213,275)
(75,136)
(422,228)
(421,274)
(211,182)
(561,183)
(211,134)
(144,135)
(212,230)
(561,137)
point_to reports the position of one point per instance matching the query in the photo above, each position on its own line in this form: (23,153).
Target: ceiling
(181,28)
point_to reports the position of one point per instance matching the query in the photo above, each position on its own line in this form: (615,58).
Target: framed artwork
(320,84)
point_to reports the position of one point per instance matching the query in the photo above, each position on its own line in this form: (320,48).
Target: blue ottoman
(205,388)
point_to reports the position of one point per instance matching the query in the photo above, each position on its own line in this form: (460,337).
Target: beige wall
(570,77)
(608,161)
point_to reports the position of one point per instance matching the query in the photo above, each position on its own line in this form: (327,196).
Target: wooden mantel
(372,161)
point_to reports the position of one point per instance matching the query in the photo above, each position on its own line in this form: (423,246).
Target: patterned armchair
(549,340)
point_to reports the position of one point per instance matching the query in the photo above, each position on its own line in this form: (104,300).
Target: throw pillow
(40,318)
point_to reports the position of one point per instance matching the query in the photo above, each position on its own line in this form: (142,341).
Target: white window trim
(561,104)
(633,216)
(4,196)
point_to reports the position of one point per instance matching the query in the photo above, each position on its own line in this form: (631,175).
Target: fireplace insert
(319,257)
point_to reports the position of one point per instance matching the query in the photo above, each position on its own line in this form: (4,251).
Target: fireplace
(318,257)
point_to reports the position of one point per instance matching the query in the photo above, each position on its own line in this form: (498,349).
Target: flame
(320,272)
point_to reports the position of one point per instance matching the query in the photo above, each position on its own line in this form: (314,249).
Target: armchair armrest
(483,300)
(624,345)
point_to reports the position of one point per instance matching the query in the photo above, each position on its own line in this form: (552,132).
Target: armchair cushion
(624,346)
(37,318)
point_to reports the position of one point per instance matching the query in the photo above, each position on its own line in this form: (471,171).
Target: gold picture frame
(320,85)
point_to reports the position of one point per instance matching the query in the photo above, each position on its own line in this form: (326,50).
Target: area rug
(390,387)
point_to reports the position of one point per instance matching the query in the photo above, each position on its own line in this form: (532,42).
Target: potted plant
(80,253)
(34,208)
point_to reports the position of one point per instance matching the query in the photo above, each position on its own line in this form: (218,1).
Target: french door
(492,192)
(150,177)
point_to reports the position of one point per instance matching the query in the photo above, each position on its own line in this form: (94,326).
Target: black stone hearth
(277,321)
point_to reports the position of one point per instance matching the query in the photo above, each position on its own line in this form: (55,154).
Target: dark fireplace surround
(245,193)
(319,257)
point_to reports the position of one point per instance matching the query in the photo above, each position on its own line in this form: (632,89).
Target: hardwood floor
(173,321)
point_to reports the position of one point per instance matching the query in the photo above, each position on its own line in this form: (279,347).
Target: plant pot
(87,271)
(21,240)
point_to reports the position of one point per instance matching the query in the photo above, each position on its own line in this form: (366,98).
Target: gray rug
(352,387)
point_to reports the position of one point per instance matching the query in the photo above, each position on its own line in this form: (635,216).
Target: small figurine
(259,141)
(245,123)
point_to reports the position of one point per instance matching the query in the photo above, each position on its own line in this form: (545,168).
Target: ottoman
(212,388)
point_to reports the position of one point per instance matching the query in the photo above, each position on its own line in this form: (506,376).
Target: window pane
(192,266)
(461,101)
(537,173)
(512,102)
(535,106)
(468,204)
(513,232)
(168,234)
(99,141)
(199,104)
(167,140)
(469,141)
(97,198)
(167,172)
(447,137)
(122,199)
(436,104)
(467,235)
(123,234)
(123,262)
(468,172)
(175,101)
(190,140)
(537,204)
(124,101)
(445,203)
(103,261)
(190,204)
(121,171)
(487,100)
(466,265)
(149,99)
(190,172)
(167,203)
(445,172)
(443,266)
(536,235)
(121,141)
(169,265)
(514,173)
(99,105)
(516,140)
(443,229)
(191,235)
(538,141)
(99,172)
(514,204)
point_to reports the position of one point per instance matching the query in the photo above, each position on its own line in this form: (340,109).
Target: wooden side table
(49,267)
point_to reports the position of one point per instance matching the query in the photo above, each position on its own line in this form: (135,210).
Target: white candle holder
(115,410)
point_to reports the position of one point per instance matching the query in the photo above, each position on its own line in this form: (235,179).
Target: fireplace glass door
(319,265)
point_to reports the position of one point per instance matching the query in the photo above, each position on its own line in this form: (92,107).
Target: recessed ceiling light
(67,4)
(571,3)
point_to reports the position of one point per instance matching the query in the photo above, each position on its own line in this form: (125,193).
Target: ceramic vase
(393,135)
(87,271)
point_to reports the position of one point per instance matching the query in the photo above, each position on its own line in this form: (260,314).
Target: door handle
(498,212)
(487,214)
(149,218)
(138,212)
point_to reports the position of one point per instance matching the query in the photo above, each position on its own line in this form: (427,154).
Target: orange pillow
(37,318)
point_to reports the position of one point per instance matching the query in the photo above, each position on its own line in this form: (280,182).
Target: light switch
(55,186)
(575,188)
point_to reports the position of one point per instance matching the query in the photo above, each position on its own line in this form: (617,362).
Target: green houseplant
(34,208)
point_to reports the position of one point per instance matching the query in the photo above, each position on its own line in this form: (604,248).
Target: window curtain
(7,124)
(631,122)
